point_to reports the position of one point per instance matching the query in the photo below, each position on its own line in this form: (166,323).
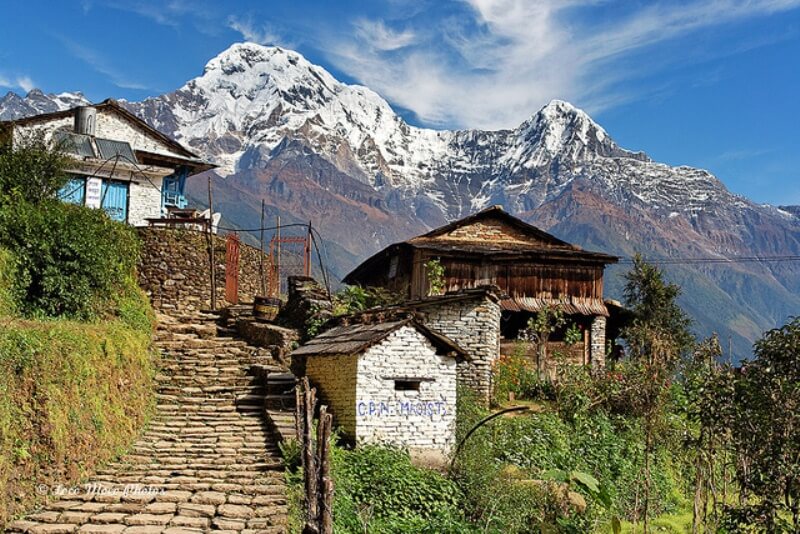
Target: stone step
(209,457)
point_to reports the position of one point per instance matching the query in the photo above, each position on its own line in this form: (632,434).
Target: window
(393,266)
(408,384)
(74,191)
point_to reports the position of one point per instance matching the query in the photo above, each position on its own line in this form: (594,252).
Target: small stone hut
(392,383)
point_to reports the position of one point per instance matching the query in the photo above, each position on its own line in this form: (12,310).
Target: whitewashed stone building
(391,383)
(120,163)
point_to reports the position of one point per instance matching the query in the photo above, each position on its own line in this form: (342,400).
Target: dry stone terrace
(206,462)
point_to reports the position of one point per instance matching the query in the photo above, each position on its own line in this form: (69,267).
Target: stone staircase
(280,402)
(208,460)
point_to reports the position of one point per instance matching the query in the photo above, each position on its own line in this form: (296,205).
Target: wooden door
(232,269)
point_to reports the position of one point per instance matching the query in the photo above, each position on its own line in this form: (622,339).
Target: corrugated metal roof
(571,305)
(110,149)
(77,144)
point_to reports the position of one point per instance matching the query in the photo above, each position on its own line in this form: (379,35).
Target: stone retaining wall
(174,269)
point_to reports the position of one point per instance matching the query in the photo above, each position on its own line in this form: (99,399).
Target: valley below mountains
(314,149)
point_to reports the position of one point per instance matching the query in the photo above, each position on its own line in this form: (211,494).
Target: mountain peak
(248,55)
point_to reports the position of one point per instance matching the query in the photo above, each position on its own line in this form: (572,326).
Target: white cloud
(99,63)
(377,35)
(25,83)
(258,33)
(174,14)
(22,82)
(494,66)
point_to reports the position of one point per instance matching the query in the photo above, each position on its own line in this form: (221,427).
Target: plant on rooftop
(434,271)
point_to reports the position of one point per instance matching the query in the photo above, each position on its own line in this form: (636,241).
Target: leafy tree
(659,331)
(32,170)
(765,434)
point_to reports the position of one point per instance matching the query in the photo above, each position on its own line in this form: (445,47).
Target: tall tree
(660,329)
(657,337)
(765,434)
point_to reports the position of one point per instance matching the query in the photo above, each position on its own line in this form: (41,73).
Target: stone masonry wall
(174,269)
(474,325)
(421,421)
(597,351)
(144,201)
(335,380)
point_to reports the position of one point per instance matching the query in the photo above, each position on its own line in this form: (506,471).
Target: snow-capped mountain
(285,130)
(13,106)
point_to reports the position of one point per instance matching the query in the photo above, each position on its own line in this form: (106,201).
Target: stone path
(206,462)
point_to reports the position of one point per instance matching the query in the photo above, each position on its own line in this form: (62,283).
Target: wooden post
(298,413)
(263,276)
(211,248)
(278,253)
(307,253)
(309,467)
(325,481)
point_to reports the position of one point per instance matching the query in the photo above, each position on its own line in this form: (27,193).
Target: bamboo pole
(278,253)
(307,253)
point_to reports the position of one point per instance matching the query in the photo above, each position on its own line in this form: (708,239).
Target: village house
(390,382)
(120,163)
(499,271)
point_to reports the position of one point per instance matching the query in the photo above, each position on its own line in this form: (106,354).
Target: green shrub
(512,374)
(8,287)
(384,481)
(378,490)
(72,261)
(607,447)
(32,171)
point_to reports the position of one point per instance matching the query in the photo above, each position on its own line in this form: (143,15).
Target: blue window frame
(172,189)
(115,200)
(74,191)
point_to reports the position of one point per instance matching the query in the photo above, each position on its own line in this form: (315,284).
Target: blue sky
(712,84)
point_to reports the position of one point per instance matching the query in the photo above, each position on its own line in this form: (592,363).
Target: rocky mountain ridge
(314,148)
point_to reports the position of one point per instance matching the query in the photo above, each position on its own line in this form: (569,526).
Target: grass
(72,396)
(678,523)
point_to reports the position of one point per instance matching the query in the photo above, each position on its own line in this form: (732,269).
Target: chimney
(85,118)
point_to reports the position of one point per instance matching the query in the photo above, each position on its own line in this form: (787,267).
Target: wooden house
(532,269)
(119,162)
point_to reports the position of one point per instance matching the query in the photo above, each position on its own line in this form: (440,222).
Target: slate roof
(356,338)
(548,247)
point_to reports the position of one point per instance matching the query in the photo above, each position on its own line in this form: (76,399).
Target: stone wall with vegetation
(175,272)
